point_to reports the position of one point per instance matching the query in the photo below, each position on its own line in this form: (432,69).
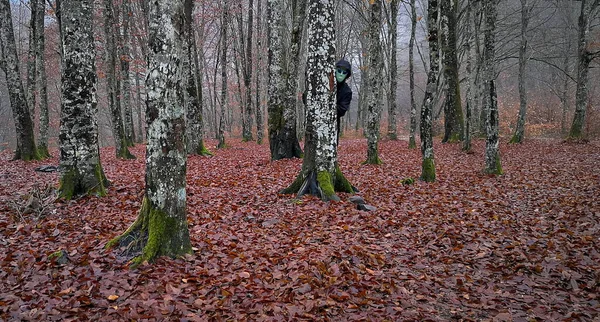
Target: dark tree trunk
(411,66)
(374,92)
(392,103)
(224,95)
(492,150)
(584,58)
(125,58)
(31,57)
(81,171)
(428,163)
(161,227)
(470,78)
(283,141)
(320,174)
(259,110)
(453,116)
(121,144)
(193,90)
(42,80)
(26,149)
(520,129)
(248,113)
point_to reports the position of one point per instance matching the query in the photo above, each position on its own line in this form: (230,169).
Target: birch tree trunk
(428,163)
(81,171)
(520,129)
(121,144)
(224,94)
(492,150)
(161,226)
(320,174)
(125,58)
(453,115)
(411,71)
(193,89)
(283,141)
(259,110)
(374,93)
(26,149)
(393,104)
(584,58)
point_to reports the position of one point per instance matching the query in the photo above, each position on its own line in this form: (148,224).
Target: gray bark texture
(470,79)
(81,171)
(26,149)
(283,141)
(392,103)
(492,148)
(31,57)
(125,58)
(374,93)
(411,70)
(453,116)
(320,174)
(224,97)
(161,227)
(248,113)
(42,80)
(584,58)
(520,128)
(428,164)
(259,109)
(121,143)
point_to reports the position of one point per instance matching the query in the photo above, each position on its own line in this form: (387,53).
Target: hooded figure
(343,71)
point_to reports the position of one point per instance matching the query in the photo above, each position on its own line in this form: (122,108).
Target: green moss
(123,151)
(454,138)
(326,186)
(341,183)
(428,170)
(497,167)
(515,139)
(66,186)
(70,185)
(412,144)
(202,150)
(373,159)
(43,151)
(56,254)
(137,225)
(295,186)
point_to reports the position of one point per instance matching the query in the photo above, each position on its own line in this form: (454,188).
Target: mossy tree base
(495,168)
(153,234)
(428,170)
(516,139)
(43,152)
(412,144)
(124,153)
(374,159)
(453,138)
(321,184)
(30,155)
(73,183)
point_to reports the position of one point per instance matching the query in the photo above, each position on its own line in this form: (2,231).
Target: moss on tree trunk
(428,170)
(321,184)
(153,234)
(76,183)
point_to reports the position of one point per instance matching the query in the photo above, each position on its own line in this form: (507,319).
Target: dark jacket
(343,99)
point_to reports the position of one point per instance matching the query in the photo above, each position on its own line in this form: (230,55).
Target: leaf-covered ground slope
(523,246)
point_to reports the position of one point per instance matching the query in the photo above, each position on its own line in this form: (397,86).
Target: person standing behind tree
(343,71)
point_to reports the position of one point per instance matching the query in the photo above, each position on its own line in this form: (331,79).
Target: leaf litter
(523,246)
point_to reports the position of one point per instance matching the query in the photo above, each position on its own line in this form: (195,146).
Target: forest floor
(523,246)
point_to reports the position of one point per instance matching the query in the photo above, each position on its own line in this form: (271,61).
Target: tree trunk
(26,149)
(121,144)
(320,174)
(374,94)
(259,110)
(392,104)
(193,90)
(224,94)
(428,163)
(520,129)
(31,57)
(411,66)
(453,116)
(141,129)
(283,141)
(81,171)
(470,78)
(125,58)
(40,44)
(161,227)
(248,113)
(492,153)
(584,58)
